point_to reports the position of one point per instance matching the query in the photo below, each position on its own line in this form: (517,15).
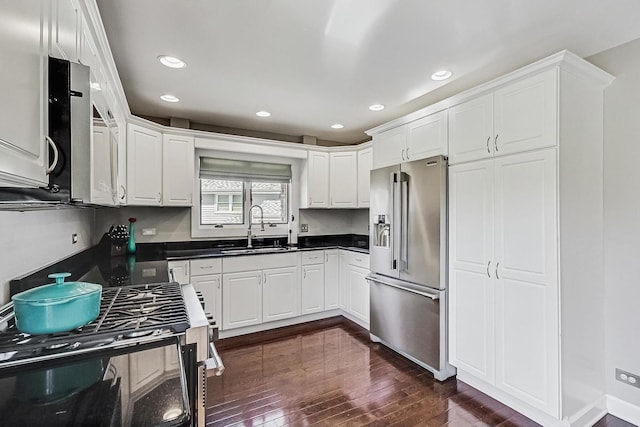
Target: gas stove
(158,333)
(128,316)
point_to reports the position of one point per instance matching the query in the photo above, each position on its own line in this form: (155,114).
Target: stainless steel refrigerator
(408,249)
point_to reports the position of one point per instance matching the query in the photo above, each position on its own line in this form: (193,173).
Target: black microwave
(69,135)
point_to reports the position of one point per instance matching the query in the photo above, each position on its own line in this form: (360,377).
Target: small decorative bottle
(131,243)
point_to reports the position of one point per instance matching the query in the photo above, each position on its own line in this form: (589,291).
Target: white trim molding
(623,410)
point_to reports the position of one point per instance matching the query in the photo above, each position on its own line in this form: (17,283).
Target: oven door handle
(213,364)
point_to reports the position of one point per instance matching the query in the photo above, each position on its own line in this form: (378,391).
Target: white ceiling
(312,63)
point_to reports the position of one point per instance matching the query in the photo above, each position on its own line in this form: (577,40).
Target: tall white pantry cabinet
(525,240)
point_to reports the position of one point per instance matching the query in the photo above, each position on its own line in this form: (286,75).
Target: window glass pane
(272,197)
(237,203)
(218,201)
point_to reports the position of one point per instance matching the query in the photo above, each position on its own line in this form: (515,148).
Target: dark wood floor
(335,376)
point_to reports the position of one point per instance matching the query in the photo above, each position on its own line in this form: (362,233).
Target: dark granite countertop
(149,263)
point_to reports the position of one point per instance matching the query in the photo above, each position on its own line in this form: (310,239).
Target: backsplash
(31,240)
(171,224)
(174,224)
(334,221)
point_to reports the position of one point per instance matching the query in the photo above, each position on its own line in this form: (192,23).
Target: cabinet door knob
(407,153)
(488,149)
(488,274)
(495,143)
(497,266)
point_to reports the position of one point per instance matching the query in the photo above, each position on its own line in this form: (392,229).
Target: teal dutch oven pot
(57,307)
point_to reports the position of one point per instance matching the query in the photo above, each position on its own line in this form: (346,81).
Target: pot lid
(58,291)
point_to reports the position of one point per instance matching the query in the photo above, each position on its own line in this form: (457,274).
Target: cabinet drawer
(357,259)
(200,267)
(259,262)
(312,257)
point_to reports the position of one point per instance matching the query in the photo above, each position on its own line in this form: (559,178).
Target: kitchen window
(229,189)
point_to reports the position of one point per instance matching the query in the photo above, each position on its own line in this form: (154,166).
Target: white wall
(32,240)
(334,221)
(622,215)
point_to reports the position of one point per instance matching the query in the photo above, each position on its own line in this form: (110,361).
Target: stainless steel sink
(252,250)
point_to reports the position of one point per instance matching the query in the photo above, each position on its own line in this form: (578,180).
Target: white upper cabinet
(415,140)
(23,148)
(427,137)
(343,185)
(177,170)
(389,146)
(336,179)
(365,163)
(526,114)
(518,117)
(471,130)
(103,147)
(64,29)
(318,179)
(144,166)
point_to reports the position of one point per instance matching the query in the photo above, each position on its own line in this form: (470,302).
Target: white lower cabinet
(179,271)
(354,287)
(145,367)
(331,279)
(241,299)
(503,286)
(358,290)
(211,288)
(312,289)
(280,294)
(279,287)
(258,296)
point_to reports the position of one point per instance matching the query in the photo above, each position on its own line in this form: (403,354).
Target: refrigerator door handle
(395,232)
(404,221)
(424,293)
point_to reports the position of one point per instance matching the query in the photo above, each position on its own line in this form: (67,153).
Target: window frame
(199,230)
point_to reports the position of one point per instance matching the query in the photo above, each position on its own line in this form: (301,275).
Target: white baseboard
(623,409)
(279,323)
(591,414)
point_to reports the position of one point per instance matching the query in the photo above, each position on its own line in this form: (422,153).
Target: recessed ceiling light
(337,126)
(441,75)
(376,107)
(170,98)
(263,113)
(172,61)
(95,86)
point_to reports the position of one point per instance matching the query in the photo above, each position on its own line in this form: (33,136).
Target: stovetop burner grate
(126,314)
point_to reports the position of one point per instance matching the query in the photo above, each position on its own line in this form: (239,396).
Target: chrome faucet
(249,236)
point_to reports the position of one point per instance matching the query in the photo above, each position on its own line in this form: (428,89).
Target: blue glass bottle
(131,243)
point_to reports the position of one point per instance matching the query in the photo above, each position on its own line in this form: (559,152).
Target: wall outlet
(304,228)
(148,231)
(628,378)
(74,238)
